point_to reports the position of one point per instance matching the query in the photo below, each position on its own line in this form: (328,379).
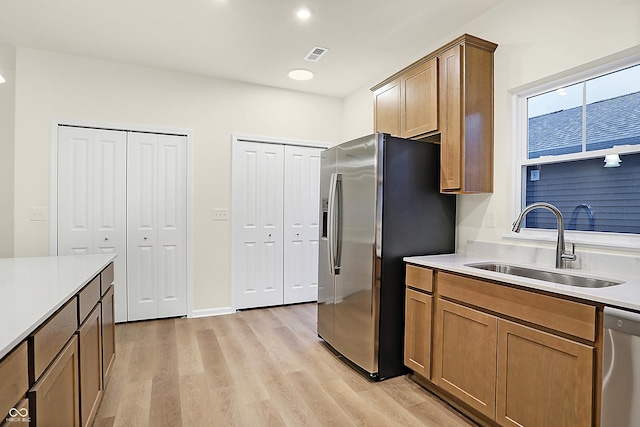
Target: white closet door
(301,226)
(92,199)
(156,211)
(258,198)
(75,191)
(172,225)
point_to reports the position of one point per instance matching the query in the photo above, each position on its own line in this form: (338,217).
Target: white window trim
(519,97)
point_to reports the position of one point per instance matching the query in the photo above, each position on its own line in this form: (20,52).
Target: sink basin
(547,276)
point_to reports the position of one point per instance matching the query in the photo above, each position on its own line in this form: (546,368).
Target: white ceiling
(256,41)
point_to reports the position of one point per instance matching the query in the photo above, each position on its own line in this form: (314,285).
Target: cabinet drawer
(106,279)
(88,297)
(14,379)
(419,278)
(570,317)
(49,339)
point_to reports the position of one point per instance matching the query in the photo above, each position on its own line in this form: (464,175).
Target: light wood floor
(258,367)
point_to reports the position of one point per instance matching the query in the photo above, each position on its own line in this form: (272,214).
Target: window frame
(519,98)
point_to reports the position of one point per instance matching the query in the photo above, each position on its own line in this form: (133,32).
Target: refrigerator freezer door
(355,306)
(326,278)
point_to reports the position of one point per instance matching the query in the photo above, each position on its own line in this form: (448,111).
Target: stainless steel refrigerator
(379,201)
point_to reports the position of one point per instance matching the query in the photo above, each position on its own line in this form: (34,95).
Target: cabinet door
(90,343)
(542,379)
(386,105)
(54,399)
(301,223)
(465,355)
(451,123)
(417,333)
(108,334)
(258,224)
(419,95)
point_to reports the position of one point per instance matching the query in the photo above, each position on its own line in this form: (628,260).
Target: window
(581,152)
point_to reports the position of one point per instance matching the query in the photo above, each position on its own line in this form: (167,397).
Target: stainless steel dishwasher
(621,369)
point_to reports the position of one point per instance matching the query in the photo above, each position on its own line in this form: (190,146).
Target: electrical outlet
(490,219)
(38,214)
(220,214)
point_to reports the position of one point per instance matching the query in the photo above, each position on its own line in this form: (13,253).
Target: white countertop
(32,289)
(625,295)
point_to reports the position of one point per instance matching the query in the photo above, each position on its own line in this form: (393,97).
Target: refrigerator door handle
(339,205)
(334,223)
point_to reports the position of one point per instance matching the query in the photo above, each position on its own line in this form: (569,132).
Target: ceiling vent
(315,54)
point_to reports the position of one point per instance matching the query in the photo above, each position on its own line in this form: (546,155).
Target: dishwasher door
(621,369)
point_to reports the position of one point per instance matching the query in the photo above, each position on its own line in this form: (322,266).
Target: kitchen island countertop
(625,295)
(32,289)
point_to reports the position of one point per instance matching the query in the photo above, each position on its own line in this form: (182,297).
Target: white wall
(536,40)
(7,103)
(54,86)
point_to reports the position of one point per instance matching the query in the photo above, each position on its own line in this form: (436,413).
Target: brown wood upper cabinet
(386,111)
(447,96)
(419,94)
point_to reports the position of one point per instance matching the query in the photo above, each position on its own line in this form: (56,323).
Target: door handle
(334,226)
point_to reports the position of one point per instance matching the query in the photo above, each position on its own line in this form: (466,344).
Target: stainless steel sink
(547,276)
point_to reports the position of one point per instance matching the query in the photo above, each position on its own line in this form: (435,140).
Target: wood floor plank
(195,400)
(353,404)
(225,407)
(216,371)
(325,408)
(254,368)
(294,410)
(133,409)
(189,357)
(248,383)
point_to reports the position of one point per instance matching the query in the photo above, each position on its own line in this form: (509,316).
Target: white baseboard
(206,312)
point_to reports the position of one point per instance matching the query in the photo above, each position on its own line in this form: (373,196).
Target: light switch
(490,219)
(220,215)
(38,214)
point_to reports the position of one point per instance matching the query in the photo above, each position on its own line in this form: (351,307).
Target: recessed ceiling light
(304,13)
(2,80)
(300,74)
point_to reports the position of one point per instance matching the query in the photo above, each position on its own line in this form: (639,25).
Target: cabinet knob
(145,237)
(106,238)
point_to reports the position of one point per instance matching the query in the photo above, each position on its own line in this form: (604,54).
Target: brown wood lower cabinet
(505,355)
(465,355)
(90,342)
(14,380)
(54,399)
(108,332)
(543,379)
(417,333)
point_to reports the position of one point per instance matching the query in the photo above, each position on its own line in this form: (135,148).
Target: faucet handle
(569,256)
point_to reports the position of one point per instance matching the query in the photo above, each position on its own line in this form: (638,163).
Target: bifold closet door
(156,217)
(92,199)
(258,205)
(301,226)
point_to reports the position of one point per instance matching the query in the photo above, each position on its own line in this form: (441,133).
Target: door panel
(172,224)
(326,278)
(142,209)
(110,208)
(75,201)
(301,198)
(157,225)
(355,285)
(92,198)
(257,189)
(465,355)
